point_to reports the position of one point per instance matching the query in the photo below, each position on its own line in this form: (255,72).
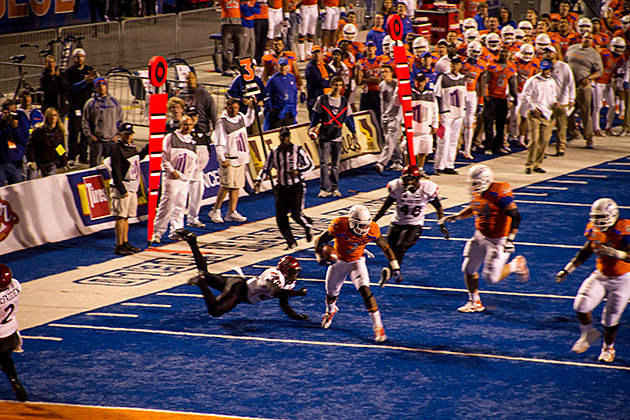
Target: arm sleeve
(516,218)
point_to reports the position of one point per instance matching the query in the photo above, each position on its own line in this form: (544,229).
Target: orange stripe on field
(16,410)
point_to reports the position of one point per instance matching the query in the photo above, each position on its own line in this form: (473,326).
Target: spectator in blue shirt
(377,33)
(480,17)
(282,97)
(32,114)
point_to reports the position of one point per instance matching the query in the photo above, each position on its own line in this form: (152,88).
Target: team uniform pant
(539,132)
(275,23)
(487,251)
(447,144)
(329,159)
(583,105)
(172,205)
(233,291)
(340,270)
(235,34)
(308,25)
(248,46)
(469,120)
(559,115)
(7,346)
(391,149)
(261,27)
(290,199)
(332,19)
(402,237)
(596,287)
(495,114)
(603,92)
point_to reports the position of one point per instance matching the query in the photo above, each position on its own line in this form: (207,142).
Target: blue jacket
(316,82)
(282,95)
(377,38)
(236,91)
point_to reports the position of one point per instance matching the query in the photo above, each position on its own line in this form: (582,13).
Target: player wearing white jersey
(10,339)
(277,282)
(411,196)
(450,91)
(425,121)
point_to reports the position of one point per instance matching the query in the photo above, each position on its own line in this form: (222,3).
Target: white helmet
(420,46)
(386,41)
(471,35)
(526,26)
(479,179)
(584,25)
(604,213)
(392,44)
(618,45)
(474,50)
(507,34)
(526,52)
(469,23)
(625,22)
(359,219)
(350,32)
(541,42)
(493,41)
(519,34)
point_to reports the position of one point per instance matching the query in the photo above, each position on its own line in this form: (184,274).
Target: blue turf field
(511,361)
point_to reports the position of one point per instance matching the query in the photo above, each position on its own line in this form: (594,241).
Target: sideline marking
(587,176)
(178,294)
(547,188)
(608,170)
(111,314)
(618,163)
(534,194)
(515,243)
(567,182)
(563,204)
(33,337)
(348,345)
(150,305)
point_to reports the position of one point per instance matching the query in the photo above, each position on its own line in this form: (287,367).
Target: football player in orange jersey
(308,27)
(565,37)
(351,234)
(369,76)
(270,65)
(608,237)
(600,37)
(612,59)
(330,13)
(496,224)
(526,67)
(474,68)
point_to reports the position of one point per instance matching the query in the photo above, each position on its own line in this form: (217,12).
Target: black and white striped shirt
(284,160)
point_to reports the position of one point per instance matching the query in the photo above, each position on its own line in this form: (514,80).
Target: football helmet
(290,267)
(493,41)
(541,42)
(625,22)
(526,26)
(526,53)
(507,35)
(604,213)
(5,276)
(519,35)
(469,23)
(387,40)
(618,45)
(359,219)
(350,32)
(411,177)
(471,35)
(474,50)
(584,25)
(392,44)
(479,179)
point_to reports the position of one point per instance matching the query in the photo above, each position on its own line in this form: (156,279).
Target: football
(329,254)
(314,133)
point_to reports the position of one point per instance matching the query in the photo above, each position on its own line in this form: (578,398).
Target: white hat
(78,51)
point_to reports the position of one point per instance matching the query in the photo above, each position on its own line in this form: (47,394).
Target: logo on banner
(8,219)
(96,195)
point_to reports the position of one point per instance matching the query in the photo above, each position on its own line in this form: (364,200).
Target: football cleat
(471,306)
(22,395)
(328,317)
(585,341)
(379,335)
(521,268)
(607,355)
(386,274)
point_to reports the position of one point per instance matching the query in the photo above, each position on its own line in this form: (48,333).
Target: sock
(474,296)
(331,307)
(586,328)
(512,266)
(376,319)
(301,51)
(608,346)
(309,47)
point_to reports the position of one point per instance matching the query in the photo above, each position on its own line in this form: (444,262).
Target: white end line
(111,314)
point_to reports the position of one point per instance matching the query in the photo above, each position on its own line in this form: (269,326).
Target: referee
(290,162)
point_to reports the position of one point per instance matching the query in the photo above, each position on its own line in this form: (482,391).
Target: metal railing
(102,43)
(145,37)
(195,28)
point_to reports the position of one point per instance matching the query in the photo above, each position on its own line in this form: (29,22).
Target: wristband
(569,268)
(394,265)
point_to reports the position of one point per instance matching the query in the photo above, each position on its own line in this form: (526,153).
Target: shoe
(395,167)
(378,167)
(609,132)
(468,156)
(437,172)
(540,170)
(488,152)
(156,239)
(227,73)
(501,151)
(521,268)
(186,235)
(291,246)
(423,174)
(122,250)
(71,163)
(173,236)
(328,317)
(599,133)
(323,194)
(471,306)
(131,247)
(20,391)
(307,232)
(607,355)
(589,146)
(585,341)
(528,171)
(215,216)
(558,154)
(336,193)
(386,274)
(450,171)
(197,224)
(379,334)
(235,217)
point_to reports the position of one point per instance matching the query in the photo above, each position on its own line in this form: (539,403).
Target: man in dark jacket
(197,96)
(317,78)
(54,86)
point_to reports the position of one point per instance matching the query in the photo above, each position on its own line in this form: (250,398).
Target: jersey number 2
(7,318)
